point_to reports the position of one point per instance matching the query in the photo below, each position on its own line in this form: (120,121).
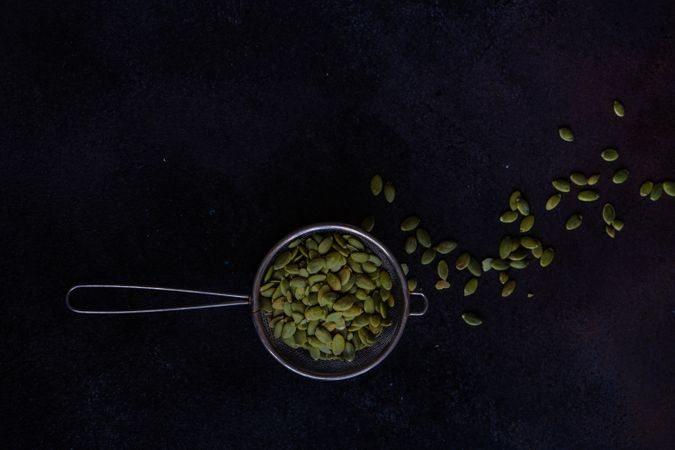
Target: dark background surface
(172,143)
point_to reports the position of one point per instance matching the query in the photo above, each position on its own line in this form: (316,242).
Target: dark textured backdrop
(172,143)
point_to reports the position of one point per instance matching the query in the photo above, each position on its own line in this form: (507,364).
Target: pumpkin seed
(368,224)
(611,232)
(325,245)
(385,280)
(338,344)
(376,185)
(405,269)
(573,222)
(410,245)
(588,196)
(528,242)
(608,213)
(618,108)
(281,261)
(428,256)
(410,223)
(445,247)
(513,200)
(487,264)
(503,277)
(561,185)
(578,178)
(617,224)
(360,257)
(508,288)
(470,287)
(474,267)
(278,329)
(609,154)
(526,224)
(505,247)
(547,257)
(423,237)
(499,264)
(523,206)
(316,264)
(442,270)
(364,282)
(441,284)
(519,254)
(412,284)
(538,251)
(463,261)
(656,192)
(552,201)
(646,188)
(593,179)
(471,319)
(620,176)
(669,188)
(566,134)
(519,264)
(530,295)
(508,217)
(288,330)
(389,192)
(323,335)
(315,313)
(333,281)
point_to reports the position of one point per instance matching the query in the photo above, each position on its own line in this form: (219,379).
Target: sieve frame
(371,243)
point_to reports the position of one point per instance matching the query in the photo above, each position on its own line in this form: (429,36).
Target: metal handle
(242,299)
(426,304)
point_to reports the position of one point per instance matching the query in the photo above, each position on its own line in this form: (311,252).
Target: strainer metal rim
(371,242)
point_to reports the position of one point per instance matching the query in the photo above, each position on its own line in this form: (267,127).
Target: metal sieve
(299,360)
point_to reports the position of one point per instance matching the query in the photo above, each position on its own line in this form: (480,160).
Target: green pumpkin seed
(423,237)
(588,196)
(620,176)
(519,264)
(578,178)
(355,243)
(646,188)
(338,344)
(503,277)
(389,192)
(471,319)
(445,247)
(573,222)
(610,231)
(515,243)
(325,245)
(278,329)
(333,281)
(368,305)
(523,206)
(513,200)
(368,224)
(669,188)
(508,217)
(288,330)
(428,256)
(376,185)
(283,259)
(470,287)
(412,284)
(609,154)
(410,245)
(505,247)
(526,224)
(316,264)
(405,269)
(442,270)
(463,261)
(552,201)
(528,242)
(360,257)
(618,108)
(369,267)
(364,282)
(547,257)
(508,288)
(593,179)
(323,335)
(315,313)
(499,264)
(385,280)
(566,134)
(561,185)
(441,284)
(656,192)
(474,267)
(538,251)
(608,213)
(519,254)
(342,304)
(486,264)
(617,224)
(410,223)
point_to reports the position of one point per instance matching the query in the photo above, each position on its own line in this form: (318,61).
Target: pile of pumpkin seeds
(327,294)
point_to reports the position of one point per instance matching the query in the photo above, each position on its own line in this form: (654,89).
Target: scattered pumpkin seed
(620,176)
(579,179)
(505,247)
(610,231)
(423,237)
(376,185)
(530,295)
(552,201)
(538,251)
(441,284)
(508,217)
(573,222)
(445,247)
(656,192)
(503,277)
(561,185)
(523,206)
(412,284)
(528,242)
(526,224)
(609,154)
(618,108)
(368,223)
(474,267)
(669,188)
(513,200)
(470,287)
(566,134)
(608,213)
(547,257)
(463,261)
(410,245)
(405,269)
(617,224)
(588,196)
(442,269)
(487,264)
(519,264)
(428,256)
(508,288)
(410,223)
(593,179)
(471,319)
(646,188)
(499,264)
(389,192)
